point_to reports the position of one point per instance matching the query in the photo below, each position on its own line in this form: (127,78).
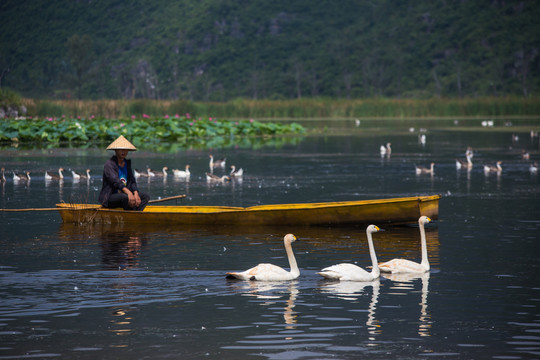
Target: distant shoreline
(312,108)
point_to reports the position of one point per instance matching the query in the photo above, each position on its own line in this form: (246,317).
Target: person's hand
(131,199)
(137,199)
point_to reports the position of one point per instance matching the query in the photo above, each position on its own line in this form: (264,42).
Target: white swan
(424,170)
(270,272)
(408,266)
(351,272)
(182,173)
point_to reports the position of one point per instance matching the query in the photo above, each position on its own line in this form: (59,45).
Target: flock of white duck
(235,173)
(386,150)
(343,271)
(49,175)
(186,173)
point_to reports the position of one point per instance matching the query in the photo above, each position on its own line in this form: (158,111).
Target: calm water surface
(115,292)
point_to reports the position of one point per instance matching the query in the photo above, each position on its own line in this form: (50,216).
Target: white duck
(139,173)
(52,176)
(270,272)
(182,173)
(216,163)
(236,173)
(153,173)
(21,176)
(460,164)
(386,150)
(493,169)
(351,272)
(424,170)
(214,178)
(408,266)
(533,168)
(77,175)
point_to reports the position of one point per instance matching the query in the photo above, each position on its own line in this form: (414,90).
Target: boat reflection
(406,282)
(120,245)
(272,292)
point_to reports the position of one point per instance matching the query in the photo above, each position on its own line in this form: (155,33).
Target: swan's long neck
(375,270)
(425,260)
(469,160)
(292,259)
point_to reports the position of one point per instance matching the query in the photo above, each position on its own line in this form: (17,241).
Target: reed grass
(298,108)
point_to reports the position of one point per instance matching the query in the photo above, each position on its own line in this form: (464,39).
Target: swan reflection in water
(350,290)
(272,292)
(406,282)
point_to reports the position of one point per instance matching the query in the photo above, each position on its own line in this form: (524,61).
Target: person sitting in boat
(119,184)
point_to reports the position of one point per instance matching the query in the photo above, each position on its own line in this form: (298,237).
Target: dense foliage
(214,50)
(143,130)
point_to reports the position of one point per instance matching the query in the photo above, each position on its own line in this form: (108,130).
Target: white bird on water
(493,169)
(533,168)
(235,172)
(386,150)
(270,272)
(460,164)
(52,176)
(424,170)
(408,266)
(163,172)
(216,163)
(214,178)
(351,272)
(77,175)
(182,173)
(21,176)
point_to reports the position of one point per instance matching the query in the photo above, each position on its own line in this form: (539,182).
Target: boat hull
(382,211)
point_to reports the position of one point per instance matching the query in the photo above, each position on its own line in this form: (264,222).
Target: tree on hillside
(81,54)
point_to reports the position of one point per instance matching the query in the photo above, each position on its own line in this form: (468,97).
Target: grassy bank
(301,108)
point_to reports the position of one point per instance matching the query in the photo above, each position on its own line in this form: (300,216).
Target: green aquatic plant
(142,131)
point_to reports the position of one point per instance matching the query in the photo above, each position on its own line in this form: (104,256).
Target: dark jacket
(111,180)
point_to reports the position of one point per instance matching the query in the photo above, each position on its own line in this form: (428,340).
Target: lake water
(117,292)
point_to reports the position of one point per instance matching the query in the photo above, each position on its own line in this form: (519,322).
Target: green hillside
(218,50)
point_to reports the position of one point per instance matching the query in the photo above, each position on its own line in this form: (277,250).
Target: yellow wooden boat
(382,211)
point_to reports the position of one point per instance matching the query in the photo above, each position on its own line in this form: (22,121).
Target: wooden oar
(167,198)
(55,208)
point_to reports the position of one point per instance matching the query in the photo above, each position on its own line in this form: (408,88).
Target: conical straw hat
(120,144)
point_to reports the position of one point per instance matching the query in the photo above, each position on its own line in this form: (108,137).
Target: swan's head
(372,228)
(290,238)
(424,220)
